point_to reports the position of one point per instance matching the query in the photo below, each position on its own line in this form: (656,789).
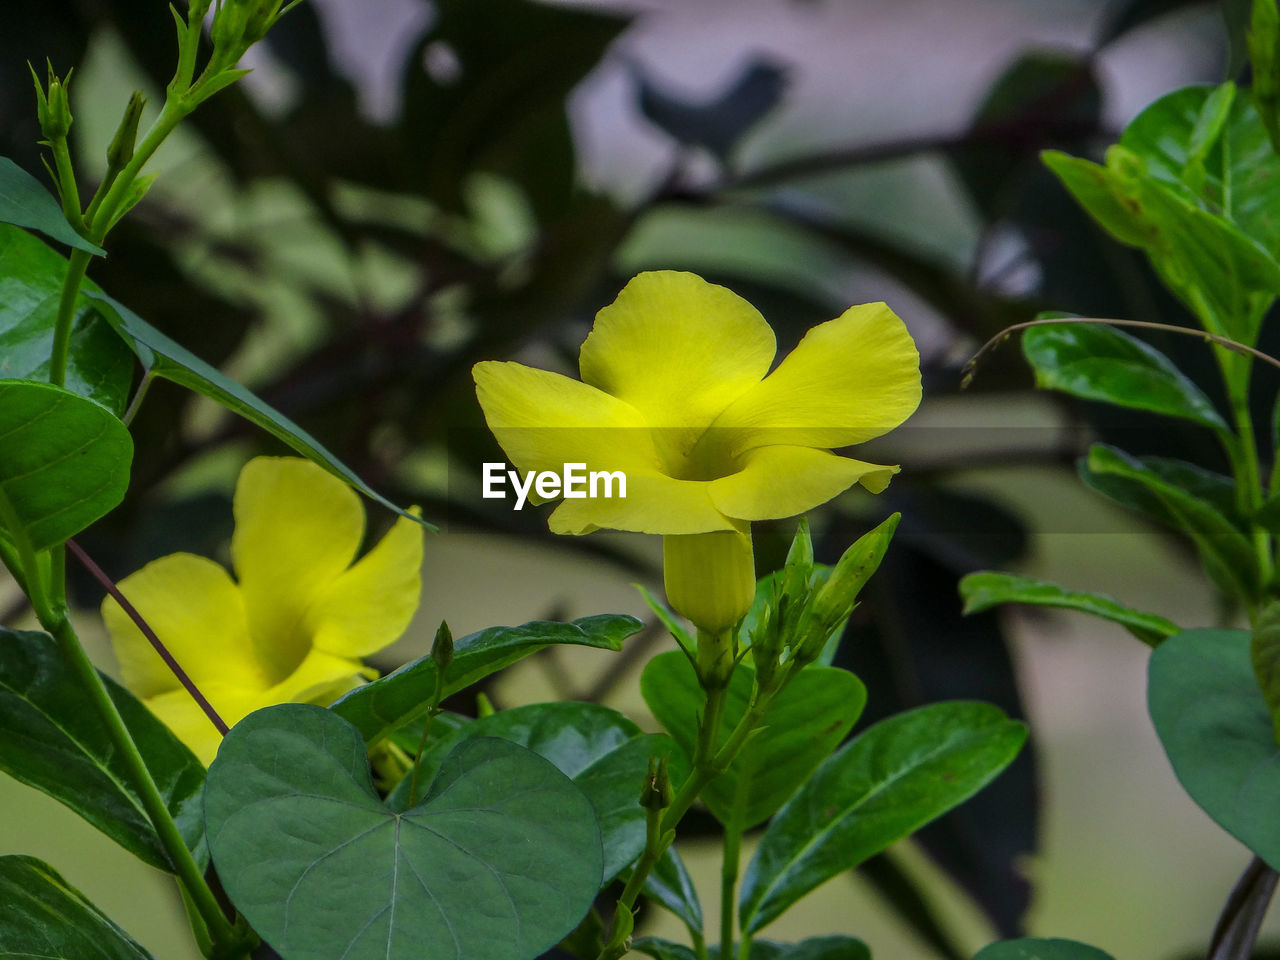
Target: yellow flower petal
(198,614)
(368,607)
(677,348)
(297,529)
(850,379)
(192,726)
(777,482)
(544,420)
(320,678)
(654,504)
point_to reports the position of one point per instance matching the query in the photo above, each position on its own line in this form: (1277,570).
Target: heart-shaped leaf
(804,723)
(44,918)
(99,365)
(51,741)
(64,462)
(499,860)
(1097,362)
(1033,948)
(24,202)
(596,747)
(1217,731)
(378,708)
(984,590)
(889,781)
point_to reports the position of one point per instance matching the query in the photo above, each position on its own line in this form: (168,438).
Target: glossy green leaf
(834,947)
(1097,362)
(984,590)
(498,861)
(51,739)
(162,357)
(378,708)
(45,918)
(25,203)
(805,722)
(1033,948)
(596,747)
(64,462)
(1217,731)
(669,884)
(99,365)
(1152,488)
(888,782)
(1241,172)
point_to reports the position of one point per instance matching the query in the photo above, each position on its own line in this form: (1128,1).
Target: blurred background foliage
(403,188)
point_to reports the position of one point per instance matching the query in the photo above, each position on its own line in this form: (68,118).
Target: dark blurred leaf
(1043,99)
(485,89)
(1041,949)
(909,901)
(26,203)
(910,653)
(719,123)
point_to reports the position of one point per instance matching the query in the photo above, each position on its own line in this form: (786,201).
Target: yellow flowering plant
(239,754)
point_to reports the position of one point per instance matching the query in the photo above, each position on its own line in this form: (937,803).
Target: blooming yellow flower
(677,393)
(294,624)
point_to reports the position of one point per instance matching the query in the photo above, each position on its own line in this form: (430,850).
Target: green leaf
(1268,515)
(162,357)
(596,747)
(1241,172)
(1033,948)
(1097,362)
(45,918)
(834,947)
(1092,187)
(1264,653)
(25,203)
(99,365)
(64,462)
(1151,487)
(888,782)
(669,884)
(668,619)
(378,708)
(987,589)
(52,740)
(804,723)
(1217,731)
(499,861)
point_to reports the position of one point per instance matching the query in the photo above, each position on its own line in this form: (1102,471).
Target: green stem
(729,869)
(67,183)
(222,931)
(76,268)
(1236,372)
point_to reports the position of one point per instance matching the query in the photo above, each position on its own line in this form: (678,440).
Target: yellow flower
(295,623)
(676,393)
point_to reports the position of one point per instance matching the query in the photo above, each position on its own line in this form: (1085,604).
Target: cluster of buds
(238,25)
(811,604)
(53,108)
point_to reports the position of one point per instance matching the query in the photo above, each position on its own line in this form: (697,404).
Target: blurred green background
(404,187)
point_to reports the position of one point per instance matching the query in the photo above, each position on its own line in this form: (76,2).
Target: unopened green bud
(833,603)
(197,9)
(120,152)
(656,794)
(442,648)
(53,107)
(262,17)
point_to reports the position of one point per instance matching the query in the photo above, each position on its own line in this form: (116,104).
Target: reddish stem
(187,683)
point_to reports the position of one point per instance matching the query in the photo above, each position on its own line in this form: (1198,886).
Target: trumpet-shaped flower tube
(294,624)
(677,393)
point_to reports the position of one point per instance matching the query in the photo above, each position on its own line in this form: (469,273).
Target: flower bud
(442,648)
(710,577)
(120,152)
(779,620)
(656,794)
(53,107)
(834,602)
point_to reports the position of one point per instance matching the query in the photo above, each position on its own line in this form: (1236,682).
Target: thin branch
(150,634)
(1237,927)
(1227,343)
